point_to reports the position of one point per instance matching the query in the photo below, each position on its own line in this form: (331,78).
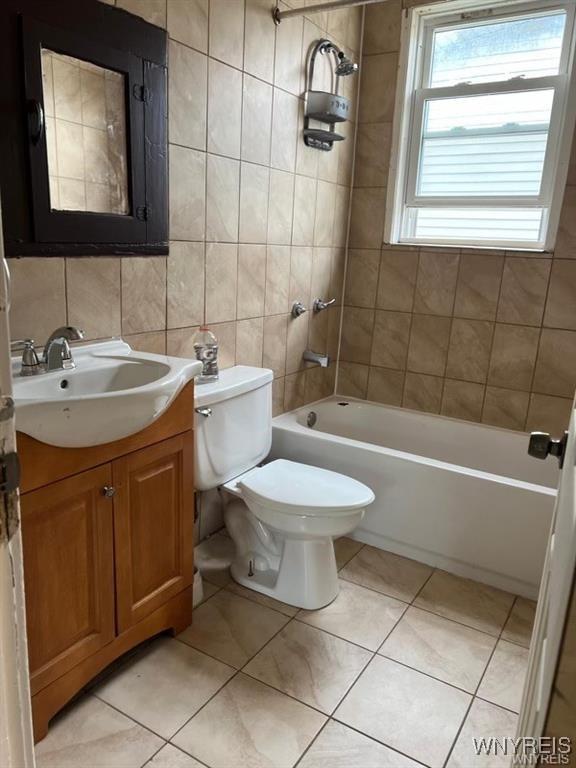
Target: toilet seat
(291,488)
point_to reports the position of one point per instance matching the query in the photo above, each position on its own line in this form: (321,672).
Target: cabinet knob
(108,491)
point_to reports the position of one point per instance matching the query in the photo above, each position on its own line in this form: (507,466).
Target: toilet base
(306,577)
(298,571)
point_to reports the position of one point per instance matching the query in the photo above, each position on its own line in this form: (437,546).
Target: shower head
(345,65)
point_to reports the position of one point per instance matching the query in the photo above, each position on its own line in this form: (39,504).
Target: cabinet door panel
(67,533)
(153,524)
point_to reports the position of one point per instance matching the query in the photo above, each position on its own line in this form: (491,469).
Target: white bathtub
(460,496)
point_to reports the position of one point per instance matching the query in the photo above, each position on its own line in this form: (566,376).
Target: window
(485,125)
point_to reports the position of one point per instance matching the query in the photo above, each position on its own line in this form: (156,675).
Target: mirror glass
(85,123)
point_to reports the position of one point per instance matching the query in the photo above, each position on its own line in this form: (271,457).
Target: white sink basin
(113,392)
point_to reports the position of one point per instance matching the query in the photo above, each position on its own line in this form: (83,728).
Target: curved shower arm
(322,46)
(335,51)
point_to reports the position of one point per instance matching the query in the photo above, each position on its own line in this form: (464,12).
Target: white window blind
(484,125)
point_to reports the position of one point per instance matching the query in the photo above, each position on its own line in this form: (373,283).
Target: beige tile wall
(257,220)
(480,335)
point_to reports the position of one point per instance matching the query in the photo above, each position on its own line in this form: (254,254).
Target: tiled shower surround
(257,220)
(482,335)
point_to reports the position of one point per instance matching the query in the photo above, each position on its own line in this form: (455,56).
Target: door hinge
(9,472)
(142,93)
(142,213)
(9,482)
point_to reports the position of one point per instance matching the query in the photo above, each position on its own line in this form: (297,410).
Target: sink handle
(30,364)
(204,412)
(20,344)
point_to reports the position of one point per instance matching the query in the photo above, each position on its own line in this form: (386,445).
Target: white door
(553,599)
(16,743)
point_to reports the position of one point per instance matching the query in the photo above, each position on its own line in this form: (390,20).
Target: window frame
(418,27)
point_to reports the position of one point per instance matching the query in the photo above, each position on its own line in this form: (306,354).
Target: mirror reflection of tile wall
(85,135)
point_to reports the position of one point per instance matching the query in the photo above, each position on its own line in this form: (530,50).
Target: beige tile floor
(401,670)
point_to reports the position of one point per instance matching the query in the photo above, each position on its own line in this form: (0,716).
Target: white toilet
(282,516)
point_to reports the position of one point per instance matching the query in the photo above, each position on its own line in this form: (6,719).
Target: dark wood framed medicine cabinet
(83,138)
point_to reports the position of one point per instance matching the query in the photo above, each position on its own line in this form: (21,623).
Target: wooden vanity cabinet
(108,551)
(68,547)
(153,527)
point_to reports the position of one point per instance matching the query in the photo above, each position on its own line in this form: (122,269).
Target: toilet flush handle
(204,412)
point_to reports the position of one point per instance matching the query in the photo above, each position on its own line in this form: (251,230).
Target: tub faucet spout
(316,357)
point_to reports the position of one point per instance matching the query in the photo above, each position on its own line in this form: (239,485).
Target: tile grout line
(240,671)
(378,651)
(130,717)
(374,654)
(349,689)
(494,321)
(170,741)
(498,706)
(455,621)
(450,330)
(412,314)
(541,329)
(312,742)
(498,639)
(329,716)
(290,620)
(474,696)
(426,674)
(144,764)
(381,743)
(412,603)
(353,642)
(205,162)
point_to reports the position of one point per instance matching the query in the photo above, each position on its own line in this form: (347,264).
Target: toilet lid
(292,487)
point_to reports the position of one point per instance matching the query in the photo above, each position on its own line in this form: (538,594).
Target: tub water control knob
(542,445)
(108,491)
(297,309)
(320,305)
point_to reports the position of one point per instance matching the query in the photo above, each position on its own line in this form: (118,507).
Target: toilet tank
(235,432)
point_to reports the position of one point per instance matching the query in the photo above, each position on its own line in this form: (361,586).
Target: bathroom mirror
(85,124)
(86,145)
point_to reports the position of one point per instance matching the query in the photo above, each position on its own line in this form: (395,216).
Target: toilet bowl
(282,516)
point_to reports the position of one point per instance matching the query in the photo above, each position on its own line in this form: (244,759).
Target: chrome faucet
(315,357)
(57,352)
